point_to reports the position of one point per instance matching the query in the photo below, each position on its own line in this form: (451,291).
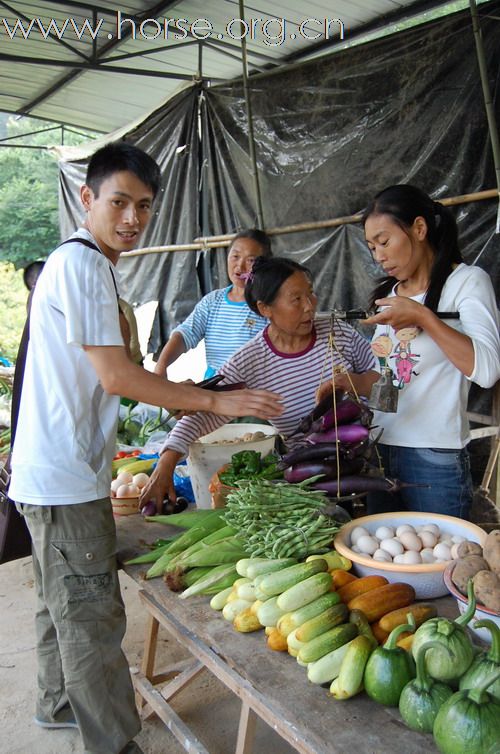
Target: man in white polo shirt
(76,370)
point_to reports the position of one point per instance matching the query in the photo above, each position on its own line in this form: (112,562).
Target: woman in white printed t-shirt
(433,359)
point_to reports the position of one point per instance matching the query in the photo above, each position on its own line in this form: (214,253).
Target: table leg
(246,730)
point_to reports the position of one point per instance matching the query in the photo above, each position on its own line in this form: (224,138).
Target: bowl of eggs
(125,491)
(414,548)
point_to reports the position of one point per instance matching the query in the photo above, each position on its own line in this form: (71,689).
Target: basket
(125,506)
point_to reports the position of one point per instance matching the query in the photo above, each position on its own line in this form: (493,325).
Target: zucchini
(327,642)
(364,628)
(326,620)
(296,618)
(350,678)
(294,645)
(327,667)
(261,566)
(246,591)
(307,590)
(219,600)
(279,581)
(231,609)
(269,613)
(246,621)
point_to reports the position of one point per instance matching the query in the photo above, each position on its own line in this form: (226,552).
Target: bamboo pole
(216,242)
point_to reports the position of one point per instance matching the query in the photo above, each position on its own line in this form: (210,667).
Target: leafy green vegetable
(247,464)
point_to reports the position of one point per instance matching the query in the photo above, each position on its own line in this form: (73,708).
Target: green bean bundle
(280,520)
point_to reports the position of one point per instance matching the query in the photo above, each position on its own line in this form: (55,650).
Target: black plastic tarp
(329,134)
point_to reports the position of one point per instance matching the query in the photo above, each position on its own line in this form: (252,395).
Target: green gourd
(449,660)
(468,723)
(485,663)
(389,668)
(422,698)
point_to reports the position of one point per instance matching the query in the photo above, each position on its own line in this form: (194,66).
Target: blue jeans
(445,472)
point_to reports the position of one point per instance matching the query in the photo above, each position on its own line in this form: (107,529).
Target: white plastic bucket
(207,454)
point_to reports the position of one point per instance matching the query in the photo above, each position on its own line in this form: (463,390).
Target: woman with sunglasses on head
(433,359)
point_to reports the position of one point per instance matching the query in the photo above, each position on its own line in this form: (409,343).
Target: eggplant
(350,485)
(301,471)
(318,411)
(149,509)
(180,505)
(343,433)
(308,452)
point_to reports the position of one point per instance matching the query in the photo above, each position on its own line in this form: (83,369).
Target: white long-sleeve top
(433,393)
(295,377)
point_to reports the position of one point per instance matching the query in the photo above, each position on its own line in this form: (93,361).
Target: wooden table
(271,685)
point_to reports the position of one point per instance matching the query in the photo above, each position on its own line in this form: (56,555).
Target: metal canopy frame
(98,59)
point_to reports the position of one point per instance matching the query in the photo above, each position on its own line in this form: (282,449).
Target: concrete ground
(205,705)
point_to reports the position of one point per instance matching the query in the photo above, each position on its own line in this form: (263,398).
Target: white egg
(382,556)
(454,550)
(428,538)
(418,529)
(124,477)
(442,551)
(133,490)
(400,559)
(457,538)
(427,555)
(357,532)
(115,484)
(355,548)
(367,544)
(434,528)
(411,541)
(392,546)
(446,538)
(122,491)
(403,528)
(412,557)
(384,532)
(140,480)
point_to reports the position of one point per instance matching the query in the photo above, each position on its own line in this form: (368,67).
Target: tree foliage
(29,224)
(13,297)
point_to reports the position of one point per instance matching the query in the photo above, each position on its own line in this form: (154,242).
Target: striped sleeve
(193,328)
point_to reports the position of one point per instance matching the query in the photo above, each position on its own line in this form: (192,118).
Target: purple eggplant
(317,412)
(343,433)
(308,452)
(149,509)
(301,471)
(350,485)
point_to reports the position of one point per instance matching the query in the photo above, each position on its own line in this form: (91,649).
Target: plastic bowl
(426,578)
(481,613)
(212,451)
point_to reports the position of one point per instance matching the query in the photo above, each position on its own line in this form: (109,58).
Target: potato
(487,590)
(465,569)
(468,548)
(491,551)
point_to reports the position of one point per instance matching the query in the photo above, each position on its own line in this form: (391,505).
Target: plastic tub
(209,453)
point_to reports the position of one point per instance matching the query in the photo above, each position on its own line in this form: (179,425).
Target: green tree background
(29,222)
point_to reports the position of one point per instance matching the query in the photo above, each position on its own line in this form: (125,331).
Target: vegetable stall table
(271,685)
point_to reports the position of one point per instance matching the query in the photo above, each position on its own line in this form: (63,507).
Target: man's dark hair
(257,235)
(31,274)
(120,156)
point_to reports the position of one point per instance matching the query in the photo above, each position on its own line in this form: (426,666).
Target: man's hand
(161,482)
(260,403)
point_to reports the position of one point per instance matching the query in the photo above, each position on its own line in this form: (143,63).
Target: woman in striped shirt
(292,356)
(222,317)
